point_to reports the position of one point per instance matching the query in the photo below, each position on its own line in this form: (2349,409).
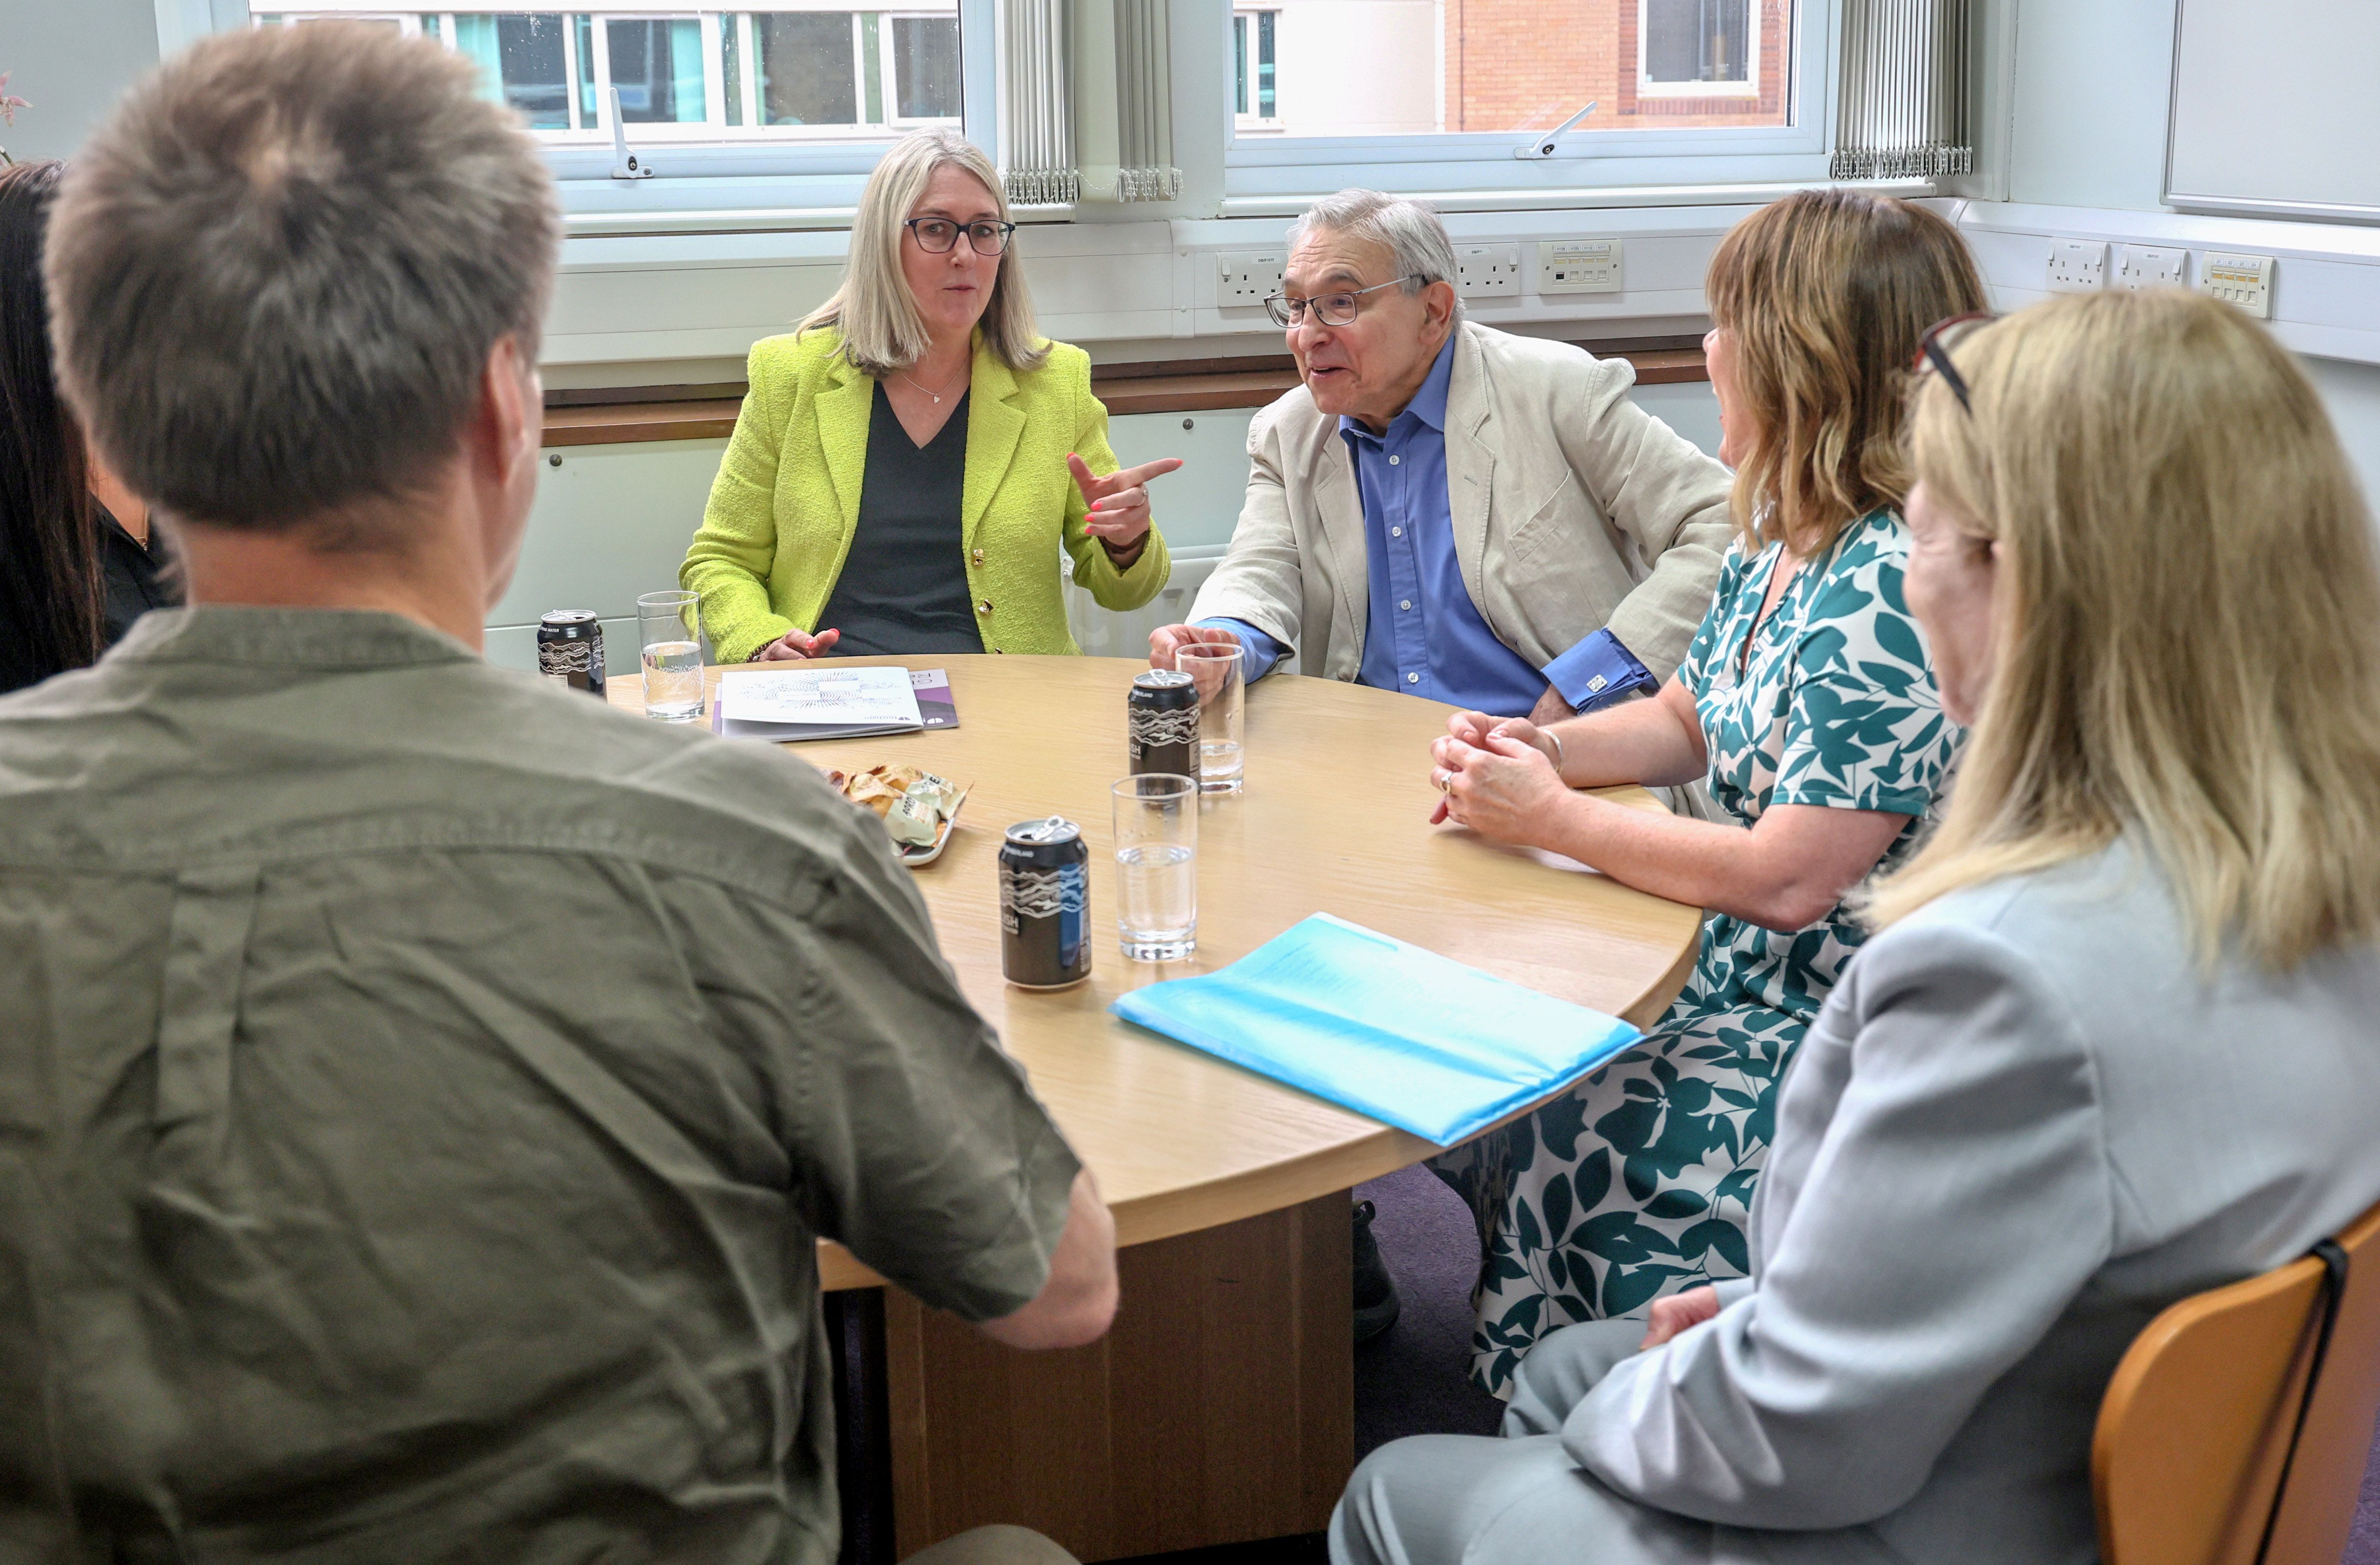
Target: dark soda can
(570,650)
(1161,723)
(1045,885)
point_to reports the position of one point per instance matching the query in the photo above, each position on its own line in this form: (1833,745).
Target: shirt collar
(1429,404)
(320,638)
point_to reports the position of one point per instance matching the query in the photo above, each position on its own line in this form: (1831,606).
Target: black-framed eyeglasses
(1934,351)
(1331,310)
(936,235)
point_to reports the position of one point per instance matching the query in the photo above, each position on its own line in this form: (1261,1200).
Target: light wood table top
(1334,820)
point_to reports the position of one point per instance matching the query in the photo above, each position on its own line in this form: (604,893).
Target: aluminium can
(570,650)
(1161,723)
(1045,882)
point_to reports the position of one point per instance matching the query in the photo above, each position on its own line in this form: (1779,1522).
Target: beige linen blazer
(1573,509)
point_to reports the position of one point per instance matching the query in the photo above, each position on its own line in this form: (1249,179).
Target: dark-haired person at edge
(78,562)
(423,1091)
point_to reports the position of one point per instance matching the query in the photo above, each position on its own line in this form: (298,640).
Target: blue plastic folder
(1382,1028)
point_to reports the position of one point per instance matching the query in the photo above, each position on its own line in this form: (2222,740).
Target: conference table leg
(1221,1409)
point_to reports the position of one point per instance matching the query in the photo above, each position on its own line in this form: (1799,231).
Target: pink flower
(9,104)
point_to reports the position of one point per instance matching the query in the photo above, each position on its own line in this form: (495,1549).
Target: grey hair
(882,329)
(279,268)
(1409,230)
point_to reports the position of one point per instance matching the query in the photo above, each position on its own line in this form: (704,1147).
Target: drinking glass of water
(1157,865)
(670,626)
(1214,668)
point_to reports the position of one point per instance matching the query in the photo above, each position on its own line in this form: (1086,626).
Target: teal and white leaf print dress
(1639,1181)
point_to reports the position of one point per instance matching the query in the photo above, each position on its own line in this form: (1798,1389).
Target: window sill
(1125,389)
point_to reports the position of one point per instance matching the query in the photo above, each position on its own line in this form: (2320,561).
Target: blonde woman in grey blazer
(1451,511)
(2113,1046)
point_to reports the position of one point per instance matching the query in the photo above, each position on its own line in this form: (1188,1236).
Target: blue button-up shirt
(1424,636)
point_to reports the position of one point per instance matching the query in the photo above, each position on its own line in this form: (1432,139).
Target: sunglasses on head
(1934,351)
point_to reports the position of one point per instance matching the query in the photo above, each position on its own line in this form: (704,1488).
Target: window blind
(1086,101)
(1906,111)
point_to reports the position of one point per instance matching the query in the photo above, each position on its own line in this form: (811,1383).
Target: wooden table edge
(1192,1208)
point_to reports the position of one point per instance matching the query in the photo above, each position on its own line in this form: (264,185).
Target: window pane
(805,76)
(730,41)
(1388,67)
(1697,40)
(586,116)
(1267,108)
(1239,65)
(657,69)
(925,67)
(521,64)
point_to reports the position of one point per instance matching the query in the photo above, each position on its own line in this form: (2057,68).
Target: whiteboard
(2276,108)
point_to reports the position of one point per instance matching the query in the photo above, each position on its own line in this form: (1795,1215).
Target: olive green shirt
(420,1090)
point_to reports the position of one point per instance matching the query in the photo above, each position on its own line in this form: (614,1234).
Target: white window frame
(715,175)
(1269,171)
(1244,21)
(1748,88)
(889,69)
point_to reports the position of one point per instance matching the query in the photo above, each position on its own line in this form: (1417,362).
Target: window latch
(1543,146)
(624,164)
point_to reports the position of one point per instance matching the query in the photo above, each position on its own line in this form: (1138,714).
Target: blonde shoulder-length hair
(1824,295)
(2187,619)
(883,331)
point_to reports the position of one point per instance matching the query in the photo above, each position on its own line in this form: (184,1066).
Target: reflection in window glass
(1239,65)
(522,63)
(925,67)
(805,69)
(730,41)
(586,116)
(1697,40)
(1266,106)
(657,69)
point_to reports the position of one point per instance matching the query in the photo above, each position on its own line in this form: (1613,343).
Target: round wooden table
(1220,1409)
(1334,820)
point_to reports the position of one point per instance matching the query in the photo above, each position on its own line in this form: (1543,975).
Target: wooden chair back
(2192,1463)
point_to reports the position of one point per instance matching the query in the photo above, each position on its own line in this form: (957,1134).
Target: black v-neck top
(903,587)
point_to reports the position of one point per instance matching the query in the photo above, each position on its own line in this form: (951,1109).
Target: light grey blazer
(1573,509)
(2024,1123)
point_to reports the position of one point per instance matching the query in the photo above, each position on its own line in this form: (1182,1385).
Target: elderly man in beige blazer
(1450,510)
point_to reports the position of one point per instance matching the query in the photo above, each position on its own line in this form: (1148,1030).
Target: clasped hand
(1496,775)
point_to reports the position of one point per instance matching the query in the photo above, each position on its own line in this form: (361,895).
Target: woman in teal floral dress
(1807,703)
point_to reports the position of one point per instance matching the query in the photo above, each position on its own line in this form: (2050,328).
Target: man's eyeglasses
(1331,309)
(1934,351)
(936,235)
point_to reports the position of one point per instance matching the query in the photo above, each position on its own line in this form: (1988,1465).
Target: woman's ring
(1445,782)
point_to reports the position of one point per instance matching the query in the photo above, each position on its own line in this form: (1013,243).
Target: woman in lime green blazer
(859,489)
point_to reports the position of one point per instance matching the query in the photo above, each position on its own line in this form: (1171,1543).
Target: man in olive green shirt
(421,1089)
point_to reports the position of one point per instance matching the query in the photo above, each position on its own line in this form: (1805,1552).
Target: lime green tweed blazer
(784,507)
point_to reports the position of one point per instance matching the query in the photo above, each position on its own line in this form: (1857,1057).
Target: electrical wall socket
(2146,266)
(2243,280)
(1488,270)
(1249,279)
(1578,266)
(2078,266)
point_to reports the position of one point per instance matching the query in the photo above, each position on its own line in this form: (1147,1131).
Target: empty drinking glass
(1157,865)
(669,625)
(1214,667)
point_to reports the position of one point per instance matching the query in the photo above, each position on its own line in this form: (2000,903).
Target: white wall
(612,521)
(1358,68)
(70,59)
(2090,89)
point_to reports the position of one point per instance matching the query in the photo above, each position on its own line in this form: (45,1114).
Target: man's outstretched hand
(1167,639)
